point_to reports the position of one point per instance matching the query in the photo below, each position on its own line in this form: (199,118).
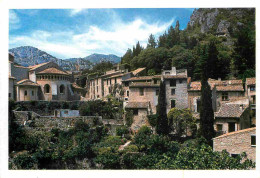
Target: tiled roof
(236,132)
(137,105)
(230,110)
(11,77)
(38,65)
(21,67)
(27,82)
(230,88)
(53,71)
(116,75)
(144,84)
(143,78)
(195,86)
(135,72)
(250,81)
(174,76)
(74,85)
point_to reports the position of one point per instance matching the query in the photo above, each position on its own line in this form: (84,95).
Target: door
(231,127)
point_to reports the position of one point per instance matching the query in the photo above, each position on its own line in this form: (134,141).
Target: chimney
(173,71)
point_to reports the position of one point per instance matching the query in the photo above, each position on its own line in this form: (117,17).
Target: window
(25,93)
(231,127)
(155,81)
(180,80)
(141,92)
(97,89)
(219,127)
(110,81)
(224,96)
(157,92)
(173,92)
(253,99)
(47,88)
(32,93)
(172,83)
(234,155)
(135,112)
(198,105)
(253,140)
(107,81)
(62,89)
(252,88)
(66,112)
(127,93)
(126,99)
(10,95)
(97,81)
(126,84)
(115,80)
(172,103)
(167,73)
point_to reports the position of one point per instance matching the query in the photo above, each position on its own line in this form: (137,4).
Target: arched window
(25,93)
(62,89)
(47,88)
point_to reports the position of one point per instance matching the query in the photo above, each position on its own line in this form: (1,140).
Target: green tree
(151,42)
(162,126)
(127,57)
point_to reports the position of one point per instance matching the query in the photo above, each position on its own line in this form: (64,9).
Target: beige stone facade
(237,142)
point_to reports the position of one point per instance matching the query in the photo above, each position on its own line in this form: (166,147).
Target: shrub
(129,117)
(25,161)
(123,130)
(152,119)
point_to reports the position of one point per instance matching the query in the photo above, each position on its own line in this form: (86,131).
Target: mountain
(28,55)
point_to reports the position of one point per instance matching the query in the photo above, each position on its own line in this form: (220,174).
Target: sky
(71,33)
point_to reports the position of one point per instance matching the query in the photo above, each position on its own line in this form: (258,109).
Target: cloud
(74,12)
(115,40)
(14,20)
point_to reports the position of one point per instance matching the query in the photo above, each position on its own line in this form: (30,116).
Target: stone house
(231,117)
(251,95)
(66,113)
(237,142)
(176,87)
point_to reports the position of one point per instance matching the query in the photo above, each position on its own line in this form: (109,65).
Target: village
(233,102)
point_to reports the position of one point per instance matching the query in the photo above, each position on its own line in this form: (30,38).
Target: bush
(129,117)
(152,119)
(123,130)
(25,161)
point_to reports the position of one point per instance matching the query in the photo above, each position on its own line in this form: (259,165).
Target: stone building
(231,117)
(66,113)
(176,88)
(237,142)
(251,95)
(46,81)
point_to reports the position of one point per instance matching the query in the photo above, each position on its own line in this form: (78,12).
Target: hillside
(28,55)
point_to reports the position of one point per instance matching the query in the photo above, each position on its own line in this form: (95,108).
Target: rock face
(219,21)
(28,55)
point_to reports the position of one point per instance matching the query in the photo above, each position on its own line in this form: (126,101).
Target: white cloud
(74,12)
(94,40)
(14,20)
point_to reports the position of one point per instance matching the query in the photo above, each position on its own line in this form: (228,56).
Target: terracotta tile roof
(27,82)
(143,78)
(144,84)
(250,81)
(38,65)
(174,76)
(230,110)
(135,72)
(195,86)
(236,132)
(137,105)
(116,75)
(21,67)
(74,85)
(230,88)
(53,71)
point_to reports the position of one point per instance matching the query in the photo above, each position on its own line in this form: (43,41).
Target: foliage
(25,161)
(162,126)
(152,119)
(129,117)
(181,122)
(123,130)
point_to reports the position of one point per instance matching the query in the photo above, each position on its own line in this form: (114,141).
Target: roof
(231,110)
(236,132)
(38,65)
(27,82)
(137,105)
(230,88)
(174,76)
(135,72)
(11,77)
(116,75)
(21,67)
(143,78)
(195,86)
(250,81)
(74,85)
(144,84)
(53,71)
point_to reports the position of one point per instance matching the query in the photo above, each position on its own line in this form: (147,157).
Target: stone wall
(140,120)
(236,143)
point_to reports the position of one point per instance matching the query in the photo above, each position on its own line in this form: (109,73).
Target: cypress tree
(162,126)
(151,42)
(206,111)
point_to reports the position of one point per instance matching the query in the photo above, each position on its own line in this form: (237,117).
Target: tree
(128,56)
(151,42)
(162,127)
(206,111)
(182,122)
(137,50)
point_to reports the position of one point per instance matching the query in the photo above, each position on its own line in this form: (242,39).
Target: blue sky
(67,33)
